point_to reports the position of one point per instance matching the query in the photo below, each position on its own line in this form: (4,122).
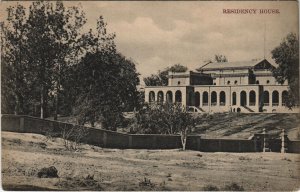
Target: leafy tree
(162,78)
(49,63)
(44,42)
(106,81)
(14,61)
(286,55)
(164,119)
(220,58)
(153,80)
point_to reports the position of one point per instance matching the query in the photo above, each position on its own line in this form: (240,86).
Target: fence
(111,139)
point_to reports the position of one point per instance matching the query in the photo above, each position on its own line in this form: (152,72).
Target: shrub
(210,188)
(73,136)
(48,172)
(146,183)
(234,187)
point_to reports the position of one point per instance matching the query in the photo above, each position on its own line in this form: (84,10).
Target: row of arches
(275,98)
(243,98)
(213,98)
(222,98)
(169,96)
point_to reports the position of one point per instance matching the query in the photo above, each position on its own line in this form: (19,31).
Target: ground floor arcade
(242,98)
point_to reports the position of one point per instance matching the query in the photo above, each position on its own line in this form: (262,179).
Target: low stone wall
(293,147)
(227,145)
(111,139)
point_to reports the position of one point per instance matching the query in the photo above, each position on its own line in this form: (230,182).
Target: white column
(247,98)
(238,98)
(270,98)
(280,98)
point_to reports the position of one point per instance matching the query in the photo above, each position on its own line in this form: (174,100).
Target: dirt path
(113,169)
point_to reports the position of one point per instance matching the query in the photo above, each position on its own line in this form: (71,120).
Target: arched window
(268,81)
(243,97)
(257,82)
(252,98)
(234,98)
(178,82)
(213,98)
(284,97)
(151,96)
(205,98)
(228,82)
(235,82)
(197,99)
(275,98)
(222,98)
(266,98)
(178,97)
(160,97)
(169,97)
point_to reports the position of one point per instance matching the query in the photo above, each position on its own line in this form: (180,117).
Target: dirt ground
(95,168)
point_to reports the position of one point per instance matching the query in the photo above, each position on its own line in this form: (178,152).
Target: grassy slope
(237,125)
(113,169)
(244,125)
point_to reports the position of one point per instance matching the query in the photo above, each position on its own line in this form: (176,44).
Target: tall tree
(14,61)
(38,47)
(106,80)
(286,55)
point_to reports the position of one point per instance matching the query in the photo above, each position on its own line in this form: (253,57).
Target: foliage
(153,80)
(286,55)
(220,58)
(210,188)
(36,48)
(234,187)
(164,119)
(48,172)
(162,78)
(106,86)
(73,136)
(48,63)
(13,56)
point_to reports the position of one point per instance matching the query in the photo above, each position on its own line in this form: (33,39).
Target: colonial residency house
(245,87)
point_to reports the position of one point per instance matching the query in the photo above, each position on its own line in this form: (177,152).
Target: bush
(48,172)
(210,188)
(146,183)
(234,187)
(73,136)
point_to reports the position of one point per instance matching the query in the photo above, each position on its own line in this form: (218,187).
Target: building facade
(245,87)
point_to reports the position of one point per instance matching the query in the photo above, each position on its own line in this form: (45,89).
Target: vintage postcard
(150,96)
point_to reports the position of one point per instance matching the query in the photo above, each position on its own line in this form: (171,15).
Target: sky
(156,34)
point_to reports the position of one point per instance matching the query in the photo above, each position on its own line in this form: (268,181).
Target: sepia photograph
(150,96)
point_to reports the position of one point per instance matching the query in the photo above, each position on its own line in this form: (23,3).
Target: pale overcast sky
(159,34)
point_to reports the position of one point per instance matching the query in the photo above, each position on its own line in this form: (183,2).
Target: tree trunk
(42,102)
(56,106)
(183,135)
(17,106)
